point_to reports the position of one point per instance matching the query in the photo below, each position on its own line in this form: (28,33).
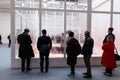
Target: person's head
(110,30)
(110,38)
(71,34)
(87,34)
(44,31)
(26,30)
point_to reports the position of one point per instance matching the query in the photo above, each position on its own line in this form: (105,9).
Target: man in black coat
(25,49)
(110,30)
(44,45)
(73,50)
(87,51)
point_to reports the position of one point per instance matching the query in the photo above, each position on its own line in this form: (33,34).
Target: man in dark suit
(87,51)
(44,45)
(25,49)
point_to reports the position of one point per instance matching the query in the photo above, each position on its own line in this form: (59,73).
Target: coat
(25,48)
(110,34)
(108,57)
(88,45)
(42,42)
(73,50)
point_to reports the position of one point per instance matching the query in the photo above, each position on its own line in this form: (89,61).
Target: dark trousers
(87,63)
(27,62)
(72,69)
(44,55)
(9,43)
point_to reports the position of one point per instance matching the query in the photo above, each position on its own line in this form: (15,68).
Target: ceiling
(4,3)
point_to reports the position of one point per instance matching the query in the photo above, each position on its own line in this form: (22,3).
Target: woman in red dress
(108,57)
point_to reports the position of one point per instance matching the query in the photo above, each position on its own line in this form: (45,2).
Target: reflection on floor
(6,73)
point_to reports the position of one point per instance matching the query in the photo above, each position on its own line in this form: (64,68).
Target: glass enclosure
(116,6)
(27,19)
(53,21)
(50,15)
(59,17)
(116,24)
(99,31)
(76,22)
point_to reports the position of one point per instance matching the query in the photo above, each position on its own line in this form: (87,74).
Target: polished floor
(6,73)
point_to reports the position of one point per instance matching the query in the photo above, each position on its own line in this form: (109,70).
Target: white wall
(5,26)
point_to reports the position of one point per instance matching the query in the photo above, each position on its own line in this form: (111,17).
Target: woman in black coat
(25,49)
(73,50)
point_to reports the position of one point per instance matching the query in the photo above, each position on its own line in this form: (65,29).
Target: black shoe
(71,75)
(107,74)
(87,76)
(22,70)
(46,71)
(84,73)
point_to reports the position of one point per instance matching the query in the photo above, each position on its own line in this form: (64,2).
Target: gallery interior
(59,17)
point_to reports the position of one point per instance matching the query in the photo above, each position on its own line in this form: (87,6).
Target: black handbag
(117,56)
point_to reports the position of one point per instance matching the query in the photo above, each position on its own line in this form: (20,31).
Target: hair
(44,31)
(110,29)
(26,30)
(87,33)
(71,34)
(110,38)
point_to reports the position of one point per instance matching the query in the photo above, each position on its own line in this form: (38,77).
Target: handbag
(117,56)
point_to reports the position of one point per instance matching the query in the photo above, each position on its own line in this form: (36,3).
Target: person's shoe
(84,73)
(46,71)
(71,75)
(107,74)
(87,76)
(22,70)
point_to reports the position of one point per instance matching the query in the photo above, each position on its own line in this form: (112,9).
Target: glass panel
(27,3)
(76,4)
(27,19)
(53,4)
(100,24)
(116,24)
(53,22)
(77,22)
(101,5)
(116,5)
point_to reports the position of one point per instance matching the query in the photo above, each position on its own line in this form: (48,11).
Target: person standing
(25,49)
(73,50)
(9,39)
(0,39)
(44,45)
(110,30)
(87,51)
(108,58)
